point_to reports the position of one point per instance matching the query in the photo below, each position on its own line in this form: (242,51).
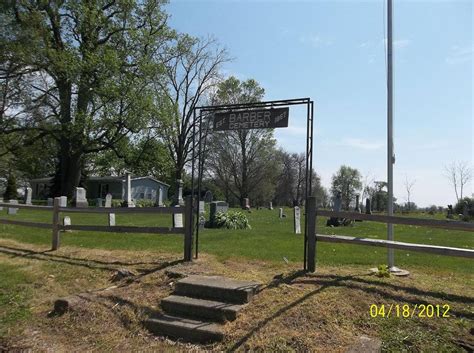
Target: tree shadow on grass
(75,261)
(353,282)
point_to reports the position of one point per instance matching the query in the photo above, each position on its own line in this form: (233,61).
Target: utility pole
(390,155)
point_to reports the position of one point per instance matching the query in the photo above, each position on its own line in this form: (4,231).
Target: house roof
(102,178)
(151,178)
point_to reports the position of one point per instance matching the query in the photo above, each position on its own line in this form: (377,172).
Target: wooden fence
(56,226)
(312,214)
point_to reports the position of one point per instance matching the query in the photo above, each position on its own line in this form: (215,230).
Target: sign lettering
(251,119)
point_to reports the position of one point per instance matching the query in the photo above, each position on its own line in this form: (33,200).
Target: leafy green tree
(81,73)
(11,189)
(241,162)
(347,180)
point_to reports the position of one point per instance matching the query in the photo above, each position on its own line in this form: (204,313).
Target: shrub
(459,208)
(144,203)
(232,220)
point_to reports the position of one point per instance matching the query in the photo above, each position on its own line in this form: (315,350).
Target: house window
(148,196)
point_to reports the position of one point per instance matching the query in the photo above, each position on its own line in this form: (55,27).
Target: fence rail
(312,237)
(435,223)
(56,227)
(30,207)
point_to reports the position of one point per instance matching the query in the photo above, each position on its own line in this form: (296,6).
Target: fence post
(188,229)
(311,216)
(55,239)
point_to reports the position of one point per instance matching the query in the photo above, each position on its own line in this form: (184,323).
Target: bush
(232,220)
(459,208)
(144,203)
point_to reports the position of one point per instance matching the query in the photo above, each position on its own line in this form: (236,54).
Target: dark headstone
(208,196)
(217,206)
(368,209)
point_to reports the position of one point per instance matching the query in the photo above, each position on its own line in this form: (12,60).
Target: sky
(334,53)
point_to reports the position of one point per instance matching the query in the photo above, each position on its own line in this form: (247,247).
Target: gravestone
(128,190)
(80,199)
(12,211)
(67,222)
(63,201)
(215,207)
(246,204)
(297,219)
(178,219)
(178,199)
(159,197)
(1,200)
(208,196)
(368,208)
(28,194)
(337,204)
(108,201)
(202,208)
(111,219)
(50,201)
(357,208)
(270,205)
(99,202)
(450,214)
(280,214)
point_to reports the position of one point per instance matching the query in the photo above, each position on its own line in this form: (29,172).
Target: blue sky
(333,52)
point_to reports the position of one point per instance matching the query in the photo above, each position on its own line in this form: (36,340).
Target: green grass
(270,239)
(14,295)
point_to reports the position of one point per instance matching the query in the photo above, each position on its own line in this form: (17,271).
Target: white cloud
(459,54)
(361,144)
(315,40)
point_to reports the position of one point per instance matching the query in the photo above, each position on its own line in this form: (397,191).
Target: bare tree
(192,71)
(408,186)
(459,174)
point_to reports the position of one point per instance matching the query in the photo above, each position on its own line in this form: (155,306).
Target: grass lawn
(325,311)
(270,238)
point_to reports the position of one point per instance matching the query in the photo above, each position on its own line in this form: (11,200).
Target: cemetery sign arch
(259,115)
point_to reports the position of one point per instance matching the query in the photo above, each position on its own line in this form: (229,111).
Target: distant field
(270,239)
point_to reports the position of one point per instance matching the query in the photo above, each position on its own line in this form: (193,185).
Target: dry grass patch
(326,311)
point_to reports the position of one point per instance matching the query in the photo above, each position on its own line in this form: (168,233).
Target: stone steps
(200,308)
(185,329)
(197,304)
(217,288)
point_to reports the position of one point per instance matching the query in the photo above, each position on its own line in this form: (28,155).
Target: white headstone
(1,200)
(280,214)
(63,201)
(128,190)
(270,205)
(108,200)
(159,197)
(111,219)
(12,211)
(99,202)
(297,213)
(28,194)
(179,185)
(50,201)
(81,200)
(67,222)
(178,220)
(246,204)
(202,207)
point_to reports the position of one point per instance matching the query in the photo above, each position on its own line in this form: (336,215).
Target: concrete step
(200,308)
(216,288)
(186,329)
